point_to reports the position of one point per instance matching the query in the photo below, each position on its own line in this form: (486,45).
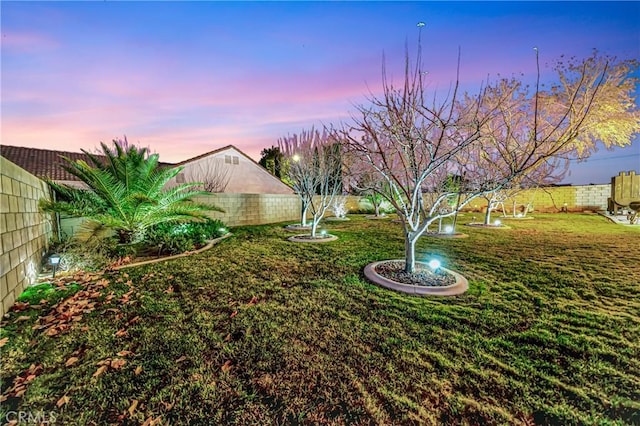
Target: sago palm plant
(125,194)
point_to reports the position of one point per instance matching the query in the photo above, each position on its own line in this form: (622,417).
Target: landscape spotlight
(323,232)
(434,264)
(222,231)
(497,222)
(448,229)
(54,261)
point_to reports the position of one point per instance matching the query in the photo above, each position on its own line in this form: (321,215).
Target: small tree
(315,171)
(125,194)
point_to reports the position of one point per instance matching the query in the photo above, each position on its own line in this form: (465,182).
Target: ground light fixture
(497,222)
(448,229)
(222,230)
(54,261)
(323,233)
(434,264)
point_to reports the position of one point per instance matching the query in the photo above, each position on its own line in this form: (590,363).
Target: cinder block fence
(25,230)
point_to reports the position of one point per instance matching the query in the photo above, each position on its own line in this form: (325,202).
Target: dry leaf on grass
(71,361)
(137,371)
(132,407)
(233,314)
(121,333)
(3,341)
(227,366)
(182,358)
(99,371)
(22,318)
(62,401)
(118,363)
(253,301)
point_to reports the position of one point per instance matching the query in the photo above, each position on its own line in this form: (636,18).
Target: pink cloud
(26,42)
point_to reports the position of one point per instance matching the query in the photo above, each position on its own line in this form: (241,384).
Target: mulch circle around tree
(306,238)
(390,274)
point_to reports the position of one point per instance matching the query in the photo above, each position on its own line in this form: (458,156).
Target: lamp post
(54,261)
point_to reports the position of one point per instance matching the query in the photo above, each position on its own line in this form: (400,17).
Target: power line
(615,157)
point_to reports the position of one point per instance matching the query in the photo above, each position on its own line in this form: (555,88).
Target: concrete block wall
(25,231)
(554,199)
(253,209)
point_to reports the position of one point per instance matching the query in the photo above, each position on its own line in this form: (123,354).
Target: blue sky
(188,77)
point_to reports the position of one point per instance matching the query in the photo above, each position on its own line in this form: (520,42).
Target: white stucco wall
(244,176)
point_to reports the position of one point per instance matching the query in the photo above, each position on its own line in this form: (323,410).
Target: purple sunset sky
(187,78)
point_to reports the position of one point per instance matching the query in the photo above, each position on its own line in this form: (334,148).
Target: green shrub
(173,238)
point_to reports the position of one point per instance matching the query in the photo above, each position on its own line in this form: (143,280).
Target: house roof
(216,151)
(45,163)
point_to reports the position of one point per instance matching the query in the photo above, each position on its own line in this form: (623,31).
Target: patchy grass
(259,330)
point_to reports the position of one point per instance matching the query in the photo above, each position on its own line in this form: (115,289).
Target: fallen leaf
(62,401)
(227,366)
(20,306)
(182,358)
(22,318)
(227,337)
(121,333)
(133,320)
(118,363)
(233,314)
(253,301)
(124,353)
(167,405)
(71,361)
(138,370)
(150,421)
(169,290)
(99,371)
(3,341)
(132,407)
(52,332)
(3,398)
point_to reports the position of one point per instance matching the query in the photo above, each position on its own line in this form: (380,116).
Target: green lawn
(259,330)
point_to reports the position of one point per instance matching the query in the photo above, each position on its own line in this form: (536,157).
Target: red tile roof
(44,163)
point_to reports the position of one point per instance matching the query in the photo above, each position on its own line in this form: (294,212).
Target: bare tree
(315,170)
(532,134)
(412,144)
(213,176)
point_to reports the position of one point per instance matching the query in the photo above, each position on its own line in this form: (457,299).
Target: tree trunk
(314,227)
(303,218)
(376,206)
(409,253)
(487,215)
